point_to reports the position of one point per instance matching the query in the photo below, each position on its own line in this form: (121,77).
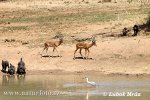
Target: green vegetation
(12,28)
(91,17)
(86,17)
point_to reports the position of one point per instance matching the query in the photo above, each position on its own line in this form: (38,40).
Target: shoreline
(90,72)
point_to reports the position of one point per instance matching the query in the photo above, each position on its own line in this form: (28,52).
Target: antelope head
(61,40)
(94,41)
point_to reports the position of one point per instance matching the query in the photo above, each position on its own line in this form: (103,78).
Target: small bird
(92,83)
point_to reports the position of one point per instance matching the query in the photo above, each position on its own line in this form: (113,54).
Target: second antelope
(85,46)
(53,44)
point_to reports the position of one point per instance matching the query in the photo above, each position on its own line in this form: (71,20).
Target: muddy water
(73,87)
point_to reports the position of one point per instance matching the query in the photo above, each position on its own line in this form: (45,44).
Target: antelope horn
(93,38)
(61,37)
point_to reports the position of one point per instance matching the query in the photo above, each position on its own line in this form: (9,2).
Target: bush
(106,0)
(3,0)
(146,26)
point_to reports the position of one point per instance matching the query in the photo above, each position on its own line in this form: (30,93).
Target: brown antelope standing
(85,46)
(53,44)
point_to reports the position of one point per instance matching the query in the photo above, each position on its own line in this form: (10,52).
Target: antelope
(85,46)
(53,44)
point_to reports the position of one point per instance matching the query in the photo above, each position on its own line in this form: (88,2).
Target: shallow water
(73,87)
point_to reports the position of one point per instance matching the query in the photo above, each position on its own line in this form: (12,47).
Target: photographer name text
(129,94)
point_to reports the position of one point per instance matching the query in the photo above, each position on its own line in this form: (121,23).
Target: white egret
(90,82)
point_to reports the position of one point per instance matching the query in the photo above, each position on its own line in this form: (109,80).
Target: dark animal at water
(11,70)
(136,30)
(125,31)
(21,68)
(5,64)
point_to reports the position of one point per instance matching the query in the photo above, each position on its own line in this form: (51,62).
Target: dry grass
(42,19)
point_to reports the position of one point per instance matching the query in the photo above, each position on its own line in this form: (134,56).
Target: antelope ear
(61,37)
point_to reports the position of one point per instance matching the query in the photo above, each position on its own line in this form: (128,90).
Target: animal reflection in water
(11,80)
(87,96)
(8,80)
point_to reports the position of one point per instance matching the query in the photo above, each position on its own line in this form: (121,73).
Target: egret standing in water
(90,82)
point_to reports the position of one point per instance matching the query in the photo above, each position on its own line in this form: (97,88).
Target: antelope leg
(53,51)
(46,51)
(85,53)
(57,51)
(88,53)
(42,52)
(81,53)
(75,52)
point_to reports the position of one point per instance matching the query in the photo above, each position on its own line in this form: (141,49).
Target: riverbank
(124,55)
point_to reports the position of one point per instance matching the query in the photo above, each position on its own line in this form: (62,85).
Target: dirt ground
(26,33)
